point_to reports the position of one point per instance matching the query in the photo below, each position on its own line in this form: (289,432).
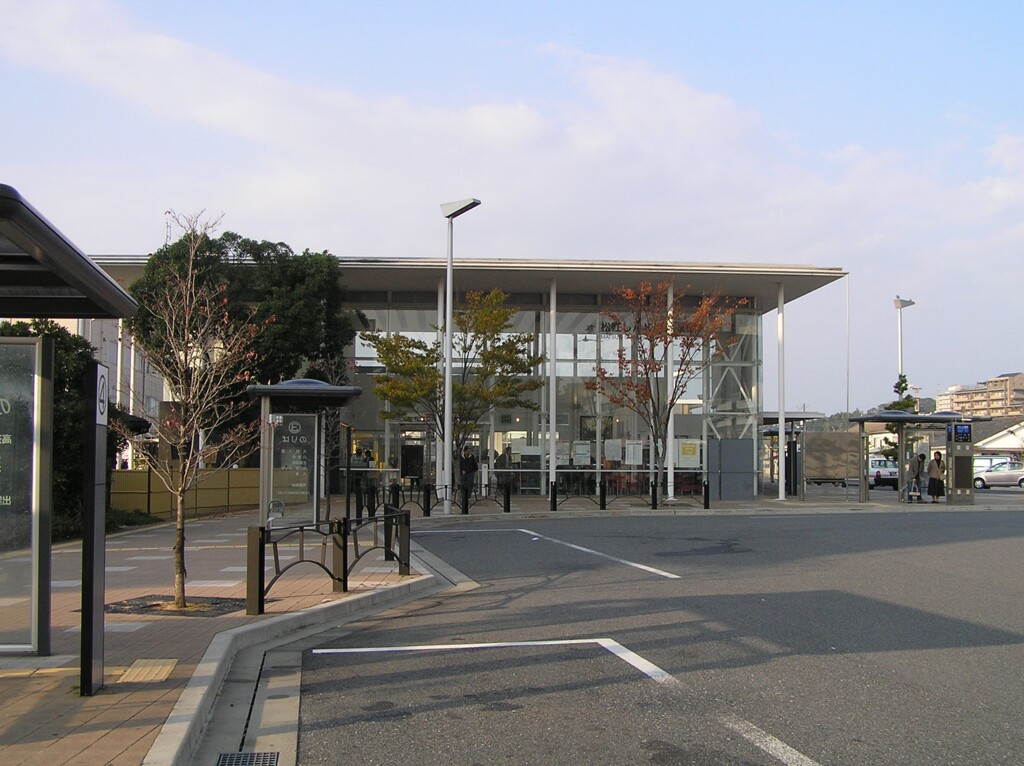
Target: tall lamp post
(900,304)
(451,211)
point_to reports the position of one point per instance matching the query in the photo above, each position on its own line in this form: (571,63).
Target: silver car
(1008,474)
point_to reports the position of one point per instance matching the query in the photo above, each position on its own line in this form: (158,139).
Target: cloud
(629,162)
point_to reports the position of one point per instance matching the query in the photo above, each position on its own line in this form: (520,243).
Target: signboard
(634,452)
(26,367)
(295,466)
(688,454)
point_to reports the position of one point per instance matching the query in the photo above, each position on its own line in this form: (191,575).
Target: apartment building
(996,397)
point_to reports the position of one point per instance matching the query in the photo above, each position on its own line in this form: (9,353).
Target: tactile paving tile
(147,671)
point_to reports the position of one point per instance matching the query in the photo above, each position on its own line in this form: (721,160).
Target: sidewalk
(151,658)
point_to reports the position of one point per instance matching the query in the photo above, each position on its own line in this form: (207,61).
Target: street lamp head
(902,303)
(455,209)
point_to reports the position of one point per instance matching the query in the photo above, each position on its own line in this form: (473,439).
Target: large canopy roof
(42,274)
(422,275)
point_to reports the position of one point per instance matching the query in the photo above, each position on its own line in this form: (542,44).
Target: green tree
(661,330)
(299,297)
(492,368)
(904,402)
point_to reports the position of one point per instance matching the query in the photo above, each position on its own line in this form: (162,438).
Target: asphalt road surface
(821,639)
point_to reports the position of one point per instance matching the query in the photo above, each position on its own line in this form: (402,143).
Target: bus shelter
(292,446)
(46,276)
(959,449)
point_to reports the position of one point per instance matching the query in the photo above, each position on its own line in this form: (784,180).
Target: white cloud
(634,163)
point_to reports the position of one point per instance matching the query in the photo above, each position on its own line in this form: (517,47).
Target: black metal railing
(336,536)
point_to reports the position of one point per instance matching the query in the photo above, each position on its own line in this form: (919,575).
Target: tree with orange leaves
(663,326)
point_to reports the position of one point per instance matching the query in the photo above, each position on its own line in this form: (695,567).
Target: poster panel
(17,494)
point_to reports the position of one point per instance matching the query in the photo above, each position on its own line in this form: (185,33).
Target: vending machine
(959,464)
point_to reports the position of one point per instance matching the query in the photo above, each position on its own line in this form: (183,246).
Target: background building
(571,429)
(996,397)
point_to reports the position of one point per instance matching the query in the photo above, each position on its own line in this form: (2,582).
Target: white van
(985,462)
(882,472)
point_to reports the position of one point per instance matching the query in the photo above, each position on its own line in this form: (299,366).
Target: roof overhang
(912,418)
(305,392)
(42,274)
(759,282)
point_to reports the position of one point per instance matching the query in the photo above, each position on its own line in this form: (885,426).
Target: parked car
(882,472)
(1008,474)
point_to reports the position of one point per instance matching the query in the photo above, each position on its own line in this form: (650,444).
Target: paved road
(827,639)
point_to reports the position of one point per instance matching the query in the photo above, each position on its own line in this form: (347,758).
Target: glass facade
(593,440)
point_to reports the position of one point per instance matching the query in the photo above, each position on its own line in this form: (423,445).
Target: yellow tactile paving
(147,671)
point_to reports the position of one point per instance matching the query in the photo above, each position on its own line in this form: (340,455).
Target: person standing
(467,473)
(937,478)
(503,468)
(915,478)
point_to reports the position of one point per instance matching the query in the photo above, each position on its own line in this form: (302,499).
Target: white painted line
(213,583)
(167,557)
(66,584)
(538,536)
(644,567)
(451,647)
(235,569)
(13,600)
(769,744)
(119,569)
(649,669)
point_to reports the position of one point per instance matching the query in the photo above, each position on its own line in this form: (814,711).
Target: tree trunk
(179,552)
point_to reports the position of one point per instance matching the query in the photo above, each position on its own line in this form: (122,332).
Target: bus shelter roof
(43,274)
(914,418)
(305,392)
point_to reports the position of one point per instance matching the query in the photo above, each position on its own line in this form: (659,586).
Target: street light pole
(451,211)
(900,304)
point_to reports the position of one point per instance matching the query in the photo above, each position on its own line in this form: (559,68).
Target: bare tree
(203,352)
(664,327)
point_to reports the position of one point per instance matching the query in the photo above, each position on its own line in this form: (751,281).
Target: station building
(715,430)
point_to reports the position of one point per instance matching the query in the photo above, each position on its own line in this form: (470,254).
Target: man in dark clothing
(467,473)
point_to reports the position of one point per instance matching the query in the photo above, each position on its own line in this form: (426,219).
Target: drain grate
(248,759)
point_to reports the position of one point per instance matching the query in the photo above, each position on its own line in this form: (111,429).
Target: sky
(885,139)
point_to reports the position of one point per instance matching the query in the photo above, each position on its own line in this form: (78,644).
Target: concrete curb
(180,735)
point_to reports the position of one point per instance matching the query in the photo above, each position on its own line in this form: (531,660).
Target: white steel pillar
(552,383)
(782,391)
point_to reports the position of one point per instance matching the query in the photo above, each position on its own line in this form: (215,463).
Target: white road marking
(649,669)
(766,742)
(538,536)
